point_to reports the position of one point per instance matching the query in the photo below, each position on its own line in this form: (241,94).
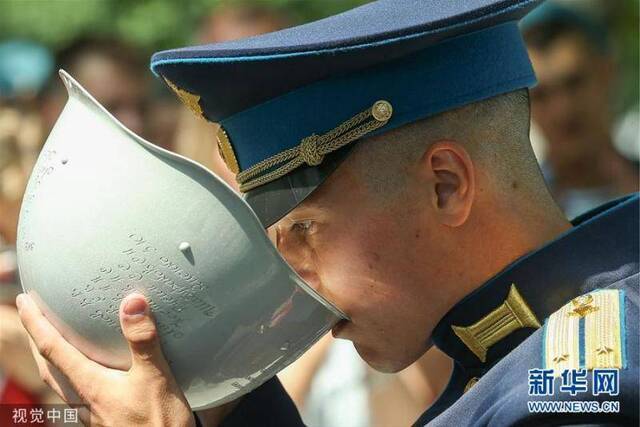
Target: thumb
(141,333)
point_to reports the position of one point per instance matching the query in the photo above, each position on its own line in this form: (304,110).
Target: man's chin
(378,361)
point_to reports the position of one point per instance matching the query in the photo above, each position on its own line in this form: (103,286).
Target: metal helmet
(107,213)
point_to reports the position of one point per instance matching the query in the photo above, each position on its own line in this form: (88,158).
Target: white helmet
(107,213)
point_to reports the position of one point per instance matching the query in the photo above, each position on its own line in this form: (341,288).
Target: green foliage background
(152,24)
(163,24)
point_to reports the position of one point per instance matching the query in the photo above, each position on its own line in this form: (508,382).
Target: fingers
(81,372)
(60,385)
(53,378)
(139,329)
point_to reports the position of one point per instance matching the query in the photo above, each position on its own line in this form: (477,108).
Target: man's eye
(303,226)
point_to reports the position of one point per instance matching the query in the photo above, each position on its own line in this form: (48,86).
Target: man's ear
(452,181)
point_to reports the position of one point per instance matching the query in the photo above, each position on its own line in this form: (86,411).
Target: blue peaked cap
(292,103)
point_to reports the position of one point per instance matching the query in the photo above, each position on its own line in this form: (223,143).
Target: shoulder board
(586,333)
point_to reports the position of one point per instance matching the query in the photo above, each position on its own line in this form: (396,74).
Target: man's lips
(338,327)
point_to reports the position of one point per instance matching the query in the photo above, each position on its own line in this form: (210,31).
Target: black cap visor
(274,200)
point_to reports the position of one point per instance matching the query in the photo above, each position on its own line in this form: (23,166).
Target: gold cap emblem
(382,110)
(226,151)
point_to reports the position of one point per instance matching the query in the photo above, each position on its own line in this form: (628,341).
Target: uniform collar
(489,319)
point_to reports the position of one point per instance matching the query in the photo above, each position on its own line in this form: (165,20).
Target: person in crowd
(572,105)
(112,71)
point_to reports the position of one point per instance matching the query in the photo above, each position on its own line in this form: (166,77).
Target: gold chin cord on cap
(312,149)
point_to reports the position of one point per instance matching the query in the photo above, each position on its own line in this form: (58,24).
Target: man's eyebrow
(302,211)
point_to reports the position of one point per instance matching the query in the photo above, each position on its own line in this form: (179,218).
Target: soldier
(388,148)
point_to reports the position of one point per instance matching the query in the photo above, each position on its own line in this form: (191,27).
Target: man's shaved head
(495,132)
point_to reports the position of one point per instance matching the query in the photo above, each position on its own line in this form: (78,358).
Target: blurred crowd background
(585,131)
